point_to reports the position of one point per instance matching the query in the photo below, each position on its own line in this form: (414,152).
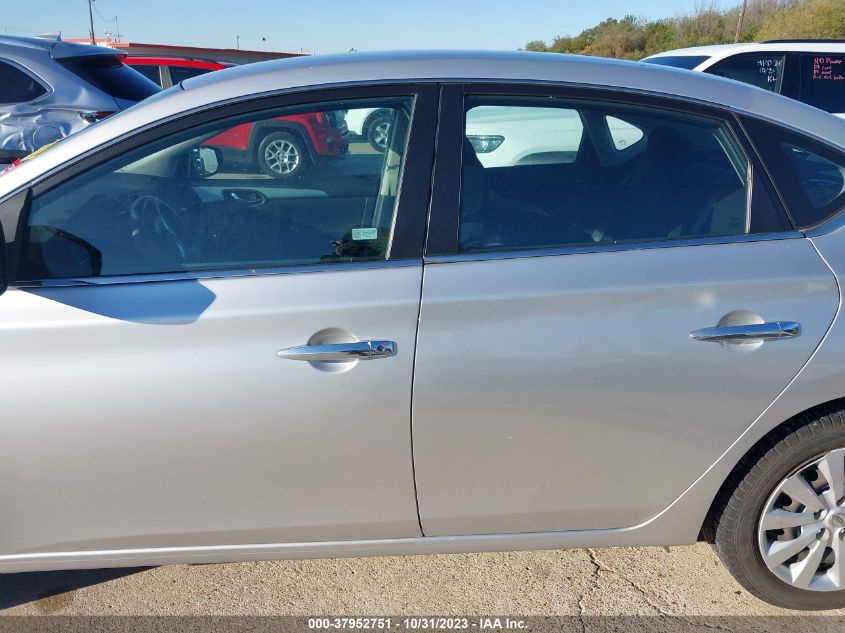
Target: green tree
(633,38)
(807,19)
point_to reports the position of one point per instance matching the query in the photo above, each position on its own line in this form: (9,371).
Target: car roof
(54,46)
(723,50)
(712,49)
(36,43)
(269,77)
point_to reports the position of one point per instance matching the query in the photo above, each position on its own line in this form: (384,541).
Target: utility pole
(741,19)
(238,42)
(91,21)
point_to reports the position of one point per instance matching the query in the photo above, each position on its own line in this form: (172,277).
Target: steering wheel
(158,231)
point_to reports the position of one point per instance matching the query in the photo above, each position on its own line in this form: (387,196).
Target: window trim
(588,249)
(444,218)
(229,273)
(413,196)
(48,89)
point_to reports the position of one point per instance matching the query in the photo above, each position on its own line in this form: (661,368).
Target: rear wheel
(378,130)
(781,531)
(282,155)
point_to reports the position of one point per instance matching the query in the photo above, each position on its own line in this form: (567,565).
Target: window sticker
(365,234)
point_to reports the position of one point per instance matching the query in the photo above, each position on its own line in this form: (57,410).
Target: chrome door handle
(756,332)
(340,352)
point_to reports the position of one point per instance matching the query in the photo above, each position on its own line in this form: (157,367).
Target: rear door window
(822,81)
(150,71)
(16,86)
(111,75)
(181,73)
(685,175)
(764,70)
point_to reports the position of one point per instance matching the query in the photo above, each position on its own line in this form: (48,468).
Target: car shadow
(160,303)
(49,587)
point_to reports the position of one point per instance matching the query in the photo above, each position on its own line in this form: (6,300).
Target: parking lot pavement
(688,581)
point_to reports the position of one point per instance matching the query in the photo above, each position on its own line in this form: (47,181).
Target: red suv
(169,71)
(282,147)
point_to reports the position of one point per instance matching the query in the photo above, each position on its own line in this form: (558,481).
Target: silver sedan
(624,334)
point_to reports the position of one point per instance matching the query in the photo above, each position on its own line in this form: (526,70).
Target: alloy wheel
(381,133)
(282,156)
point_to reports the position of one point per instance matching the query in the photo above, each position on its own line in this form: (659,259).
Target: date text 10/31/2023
(417,623)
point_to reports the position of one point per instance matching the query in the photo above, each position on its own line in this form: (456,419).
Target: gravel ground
(684,581)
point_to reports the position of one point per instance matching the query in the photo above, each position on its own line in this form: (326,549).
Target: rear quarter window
(16,86)
(810,175)
(112,76)
(823,81)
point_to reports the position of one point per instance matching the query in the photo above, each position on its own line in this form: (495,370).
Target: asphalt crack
(594,584)
(600,566)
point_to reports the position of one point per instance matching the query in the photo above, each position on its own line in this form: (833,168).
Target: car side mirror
(12,212)
(205,161)
(57,254)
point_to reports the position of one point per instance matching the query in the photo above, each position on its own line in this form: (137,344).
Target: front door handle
(340,352)
(753,332)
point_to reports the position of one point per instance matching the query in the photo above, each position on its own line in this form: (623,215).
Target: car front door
(195,354)
(575,364)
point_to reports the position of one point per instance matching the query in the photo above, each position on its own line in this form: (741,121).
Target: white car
(812,71)
(371,123)
(518,135)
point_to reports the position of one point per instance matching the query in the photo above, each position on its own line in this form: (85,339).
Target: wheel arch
(260,132)
(371,117)
(747,460)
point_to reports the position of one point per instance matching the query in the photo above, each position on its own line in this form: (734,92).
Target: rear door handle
(753,332)
(340,352)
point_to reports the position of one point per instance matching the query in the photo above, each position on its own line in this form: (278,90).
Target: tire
(809,447)
(377,130)
(282,155)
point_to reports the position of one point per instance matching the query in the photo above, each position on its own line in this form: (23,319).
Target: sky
(331,26)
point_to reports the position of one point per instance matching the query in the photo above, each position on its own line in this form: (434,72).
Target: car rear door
(821,80)
(192,373)
(580,356)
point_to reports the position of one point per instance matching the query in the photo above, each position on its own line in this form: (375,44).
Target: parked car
(169,71)
(282,147)
(52,88)
(509,136)
(371,124)
(812,71)
(415,353)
